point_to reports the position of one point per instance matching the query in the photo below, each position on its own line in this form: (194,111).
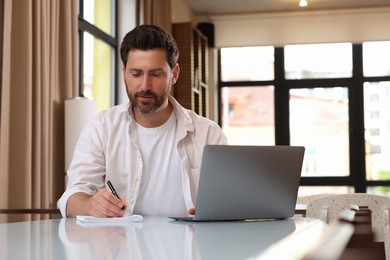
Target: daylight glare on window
(377,129)
(98,55)
(96,12)
(319,121)
(314,61)
(247,63)
(376,59)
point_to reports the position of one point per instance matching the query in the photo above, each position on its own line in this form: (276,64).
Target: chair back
(328,209)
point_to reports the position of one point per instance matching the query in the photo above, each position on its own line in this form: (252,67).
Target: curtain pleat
(39,72)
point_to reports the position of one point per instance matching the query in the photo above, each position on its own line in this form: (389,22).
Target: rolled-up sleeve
(87,169)
(105,137)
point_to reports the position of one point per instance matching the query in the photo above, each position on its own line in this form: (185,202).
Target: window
(376,58)
(248,115)
(331,98)
(98,51)
(248,111)
(319,121)
(318,61)
(247,63)
(377,132)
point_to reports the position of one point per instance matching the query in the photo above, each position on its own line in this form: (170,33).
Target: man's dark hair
(149,37)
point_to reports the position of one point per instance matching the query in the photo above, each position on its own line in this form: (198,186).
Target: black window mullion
(116,58)
(81,63)
(96,32)
(81,8)
(281,99)
(247,83)
(327,181)
(356,115)
(319,83)
(219,88)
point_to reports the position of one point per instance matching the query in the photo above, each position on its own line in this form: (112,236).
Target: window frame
(112,41)
(357,177)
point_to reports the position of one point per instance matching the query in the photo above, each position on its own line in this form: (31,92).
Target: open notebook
(118,220)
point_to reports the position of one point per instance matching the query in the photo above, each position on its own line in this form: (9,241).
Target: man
(150,149)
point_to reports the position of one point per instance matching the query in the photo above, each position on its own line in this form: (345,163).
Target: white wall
(127,21)
(180,12)
(279,29)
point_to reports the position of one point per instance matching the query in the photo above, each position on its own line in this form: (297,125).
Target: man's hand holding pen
(105,204)
(113,191)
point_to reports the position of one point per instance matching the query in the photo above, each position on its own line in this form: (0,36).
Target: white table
(160,238)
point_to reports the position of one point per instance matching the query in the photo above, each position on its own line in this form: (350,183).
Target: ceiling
(215,7)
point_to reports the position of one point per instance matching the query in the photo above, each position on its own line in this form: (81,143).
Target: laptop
(247,182)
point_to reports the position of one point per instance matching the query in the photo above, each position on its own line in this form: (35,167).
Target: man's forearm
(78,204)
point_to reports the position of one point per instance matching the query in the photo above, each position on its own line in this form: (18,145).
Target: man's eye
(157,74)
(135,74)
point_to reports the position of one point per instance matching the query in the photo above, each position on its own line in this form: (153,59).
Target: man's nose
(146,82)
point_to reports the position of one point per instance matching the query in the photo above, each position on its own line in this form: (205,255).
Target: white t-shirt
(161,190)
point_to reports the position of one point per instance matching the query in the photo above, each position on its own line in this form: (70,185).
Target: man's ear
(175,72)
(123,70)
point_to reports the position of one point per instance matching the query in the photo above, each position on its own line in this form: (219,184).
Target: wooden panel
(191,89)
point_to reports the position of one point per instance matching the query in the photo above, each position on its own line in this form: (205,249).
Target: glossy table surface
(160,238)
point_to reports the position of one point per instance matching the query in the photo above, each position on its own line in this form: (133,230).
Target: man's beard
(149,106)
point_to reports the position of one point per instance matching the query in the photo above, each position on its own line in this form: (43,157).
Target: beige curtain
(38,72)
(157,12)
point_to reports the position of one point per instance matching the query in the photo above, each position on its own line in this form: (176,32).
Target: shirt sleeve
(87,168)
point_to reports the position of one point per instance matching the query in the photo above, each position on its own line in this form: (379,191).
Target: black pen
(113,191)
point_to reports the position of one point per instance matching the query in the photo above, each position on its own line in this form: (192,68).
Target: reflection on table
(157,238)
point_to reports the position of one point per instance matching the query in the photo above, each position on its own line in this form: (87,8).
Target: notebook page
(124,219)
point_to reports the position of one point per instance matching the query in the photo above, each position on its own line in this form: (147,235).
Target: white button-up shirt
(108,149)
